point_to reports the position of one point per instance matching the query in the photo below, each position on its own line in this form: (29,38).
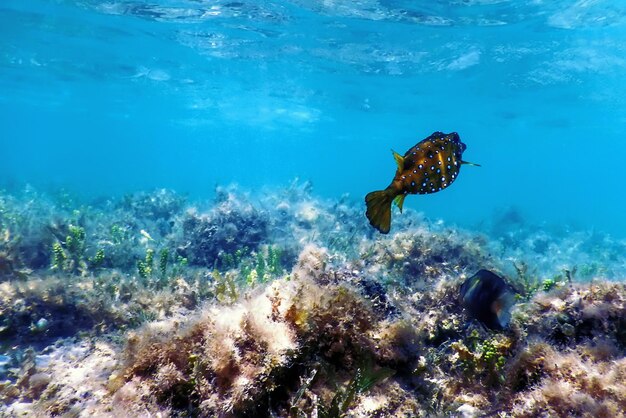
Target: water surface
(105,98)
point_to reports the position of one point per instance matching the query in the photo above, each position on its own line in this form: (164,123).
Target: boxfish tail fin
(379,208)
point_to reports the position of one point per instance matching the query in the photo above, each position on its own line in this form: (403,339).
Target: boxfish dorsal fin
(399,160)
(399,200)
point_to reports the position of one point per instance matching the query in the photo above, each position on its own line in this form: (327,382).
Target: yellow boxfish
(429,167)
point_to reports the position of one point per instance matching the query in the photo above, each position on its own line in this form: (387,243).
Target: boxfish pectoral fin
(399,201)
(399,160)
(468,163)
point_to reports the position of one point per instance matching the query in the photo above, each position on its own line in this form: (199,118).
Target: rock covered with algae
(302,311)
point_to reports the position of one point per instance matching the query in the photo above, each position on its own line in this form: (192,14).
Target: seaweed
(226,289)
(145,266)
(97,260)
(164,256)
(69,255)
(483,358)
(241,310)
(365,377)
(526,284)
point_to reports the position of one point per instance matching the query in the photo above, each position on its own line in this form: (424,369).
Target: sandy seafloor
(154,305)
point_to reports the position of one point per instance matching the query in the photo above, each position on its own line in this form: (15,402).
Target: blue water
(107,97)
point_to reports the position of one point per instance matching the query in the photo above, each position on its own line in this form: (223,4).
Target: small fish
(145,234)
(429,167)
(489,299)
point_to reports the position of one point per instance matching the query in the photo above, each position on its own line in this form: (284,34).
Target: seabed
(153,305)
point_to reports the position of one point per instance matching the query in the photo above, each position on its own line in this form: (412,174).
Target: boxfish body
(429,167)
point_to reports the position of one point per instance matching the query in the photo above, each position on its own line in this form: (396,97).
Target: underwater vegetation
(290,305)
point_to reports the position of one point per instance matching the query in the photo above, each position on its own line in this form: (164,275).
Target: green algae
(425,265)
(365,377)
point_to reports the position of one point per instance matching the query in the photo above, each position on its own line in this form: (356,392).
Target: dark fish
(429,167)
(489,299)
